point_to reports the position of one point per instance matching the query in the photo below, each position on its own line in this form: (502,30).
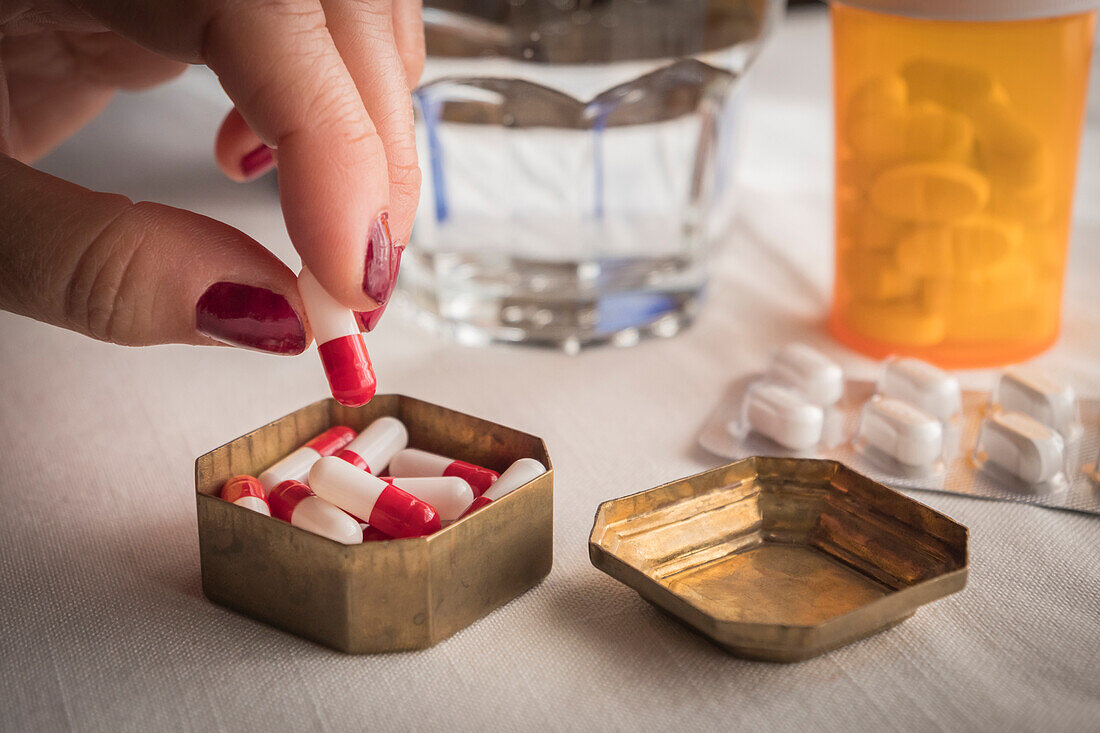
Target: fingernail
(379,270)
(250,317)
(369,319)
(257,162)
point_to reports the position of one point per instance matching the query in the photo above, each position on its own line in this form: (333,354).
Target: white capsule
(294,502)
(349,488)
(899,430)
(1022,446)
(316,515)
(243,490)
(516,475)
(413,462)
(295,466)
(449,495)
(1033,393)
(783,415)
(919,383)
(368,498)
(373,448)
(806,370)
(254,503)
(519,473)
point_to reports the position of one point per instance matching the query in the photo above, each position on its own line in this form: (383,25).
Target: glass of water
(577,161)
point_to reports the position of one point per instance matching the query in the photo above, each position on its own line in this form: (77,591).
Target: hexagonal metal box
(377,596)
(781,559)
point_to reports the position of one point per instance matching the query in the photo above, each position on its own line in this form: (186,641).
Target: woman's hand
(323,83)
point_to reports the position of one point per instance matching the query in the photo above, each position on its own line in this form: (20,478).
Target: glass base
(564,305)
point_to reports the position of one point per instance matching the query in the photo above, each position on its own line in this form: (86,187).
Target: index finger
(278,64)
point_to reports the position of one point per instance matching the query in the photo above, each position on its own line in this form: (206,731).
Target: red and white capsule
(248,492)
(519,473)
(450,496)
(373,534)
(412,462)
(372,500)
(339,343)
(373,448)
(294,502)
(295,467)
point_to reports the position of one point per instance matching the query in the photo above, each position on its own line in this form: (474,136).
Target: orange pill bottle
(958,124)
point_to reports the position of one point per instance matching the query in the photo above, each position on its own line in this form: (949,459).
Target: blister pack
(1029,439)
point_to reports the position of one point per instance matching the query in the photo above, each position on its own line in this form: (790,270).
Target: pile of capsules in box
(372,486)
(1030,439)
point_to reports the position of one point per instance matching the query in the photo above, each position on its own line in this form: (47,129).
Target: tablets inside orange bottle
(956,145)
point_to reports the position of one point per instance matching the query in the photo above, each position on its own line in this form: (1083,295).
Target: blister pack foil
(1077,488)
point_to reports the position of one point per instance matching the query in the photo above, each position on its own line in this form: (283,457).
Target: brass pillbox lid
(781,559)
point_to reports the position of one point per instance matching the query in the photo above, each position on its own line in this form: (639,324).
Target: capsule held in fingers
(339,343)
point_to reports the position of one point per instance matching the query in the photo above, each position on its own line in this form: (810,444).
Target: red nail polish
(250,317)
(380,267)
(257,162)
(369,319)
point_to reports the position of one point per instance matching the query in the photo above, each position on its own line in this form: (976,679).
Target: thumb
(138,274)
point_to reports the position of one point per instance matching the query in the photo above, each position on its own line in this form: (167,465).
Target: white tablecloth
(103,625)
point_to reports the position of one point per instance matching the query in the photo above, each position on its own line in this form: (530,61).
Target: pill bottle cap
(975,10)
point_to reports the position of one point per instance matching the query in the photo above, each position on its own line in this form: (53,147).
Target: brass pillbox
(781,559)
(376,596)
